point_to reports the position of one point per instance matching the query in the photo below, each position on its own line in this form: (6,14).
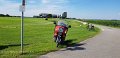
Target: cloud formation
(8,7)
(46,6)
(33,7)
(45,1)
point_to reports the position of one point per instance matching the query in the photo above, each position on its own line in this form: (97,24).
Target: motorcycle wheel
(58,41)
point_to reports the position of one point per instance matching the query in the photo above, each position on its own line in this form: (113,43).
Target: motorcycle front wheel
(58,41)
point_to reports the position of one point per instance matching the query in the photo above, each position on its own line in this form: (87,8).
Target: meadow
(38,36)
(111,23)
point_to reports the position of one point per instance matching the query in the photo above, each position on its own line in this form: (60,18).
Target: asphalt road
(104,45)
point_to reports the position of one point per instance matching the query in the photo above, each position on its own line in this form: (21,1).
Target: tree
(2,15)
(7,15)
(49,16)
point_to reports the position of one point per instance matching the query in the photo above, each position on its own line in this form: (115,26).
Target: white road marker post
(22,9)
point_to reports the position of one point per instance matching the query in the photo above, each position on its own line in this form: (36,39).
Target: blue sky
(85,9)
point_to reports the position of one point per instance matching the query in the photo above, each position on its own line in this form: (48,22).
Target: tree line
(7,15)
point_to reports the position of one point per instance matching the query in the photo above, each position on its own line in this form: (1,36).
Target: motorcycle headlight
(60,30)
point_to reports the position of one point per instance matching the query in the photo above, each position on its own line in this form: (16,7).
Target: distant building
(43,15)
(46,15)
(64,15)
(54,16)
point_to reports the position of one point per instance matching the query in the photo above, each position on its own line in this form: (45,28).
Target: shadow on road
(73,46)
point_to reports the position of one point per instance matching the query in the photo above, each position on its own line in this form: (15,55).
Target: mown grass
(38,36)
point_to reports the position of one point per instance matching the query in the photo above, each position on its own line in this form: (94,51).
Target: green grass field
(38,36)
(111,23)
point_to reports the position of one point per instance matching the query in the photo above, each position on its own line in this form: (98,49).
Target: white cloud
(62,1)
(47,6)
(33,7)
(45,1)
(54,1)
(8,7)
(54,9)
(32,1)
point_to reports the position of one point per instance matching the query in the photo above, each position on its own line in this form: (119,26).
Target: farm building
(46,15)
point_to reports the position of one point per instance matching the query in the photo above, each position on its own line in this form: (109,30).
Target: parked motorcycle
(60,31)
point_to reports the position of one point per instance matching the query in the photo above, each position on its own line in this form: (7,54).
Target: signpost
(22,9)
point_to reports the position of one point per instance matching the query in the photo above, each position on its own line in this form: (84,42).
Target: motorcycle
(60,31)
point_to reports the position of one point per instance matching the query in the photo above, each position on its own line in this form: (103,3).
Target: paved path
(104,45)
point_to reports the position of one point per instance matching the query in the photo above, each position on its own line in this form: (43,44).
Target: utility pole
(22,9)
